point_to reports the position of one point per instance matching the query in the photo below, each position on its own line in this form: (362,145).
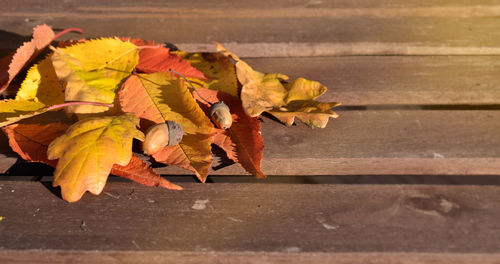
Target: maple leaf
(88,150)
(41,84)
(93,71)
(218,69)
(161,59)
(265,92)
(160,97)
(138,171)
(242,142)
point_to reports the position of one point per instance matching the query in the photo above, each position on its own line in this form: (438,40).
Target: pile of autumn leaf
(80,106)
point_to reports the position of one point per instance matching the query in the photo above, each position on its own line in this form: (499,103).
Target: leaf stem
(74,29)
(192,86)
(53,107)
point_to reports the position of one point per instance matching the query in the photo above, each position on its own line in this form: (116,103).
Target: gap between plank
(293,49)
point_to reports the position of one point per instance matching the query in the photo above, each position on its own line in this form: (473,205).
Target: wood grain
(283,28)
(390,142)
(394,221)
(399,80)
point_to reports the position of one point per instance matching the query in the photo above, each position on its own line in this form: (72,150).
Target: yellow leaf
(88,151)
(12,111)
(218,69)
(302,89)
(41,84)
(93,70)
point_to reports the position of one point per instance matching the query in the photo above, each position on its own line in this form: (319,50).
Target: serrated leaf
(160,97)
(88,150)
(193,153)
(11,65)
(12,111)
(93,71)
(41,84)
(242,142)
(30,141)
(218,69)
(138,171)
(161,59)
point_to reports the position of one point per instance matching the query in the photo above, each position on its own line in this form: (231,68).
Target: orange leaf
(160,97)
(160,59)
(192,153)
(15,62)
(30,141)
(138,171)
(242,141)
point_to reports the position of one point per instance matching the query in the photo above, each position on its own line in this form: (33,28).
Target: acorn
(160,135)
(221,115)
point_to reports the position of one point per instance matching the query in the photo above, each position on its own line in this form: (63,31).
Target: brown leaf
(242,142)
(138,171)
(266,92)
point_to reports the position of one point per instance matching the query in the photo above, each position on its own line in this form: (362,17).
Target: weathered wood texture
(400,224)
(282,28)
(376,142)
(400,80)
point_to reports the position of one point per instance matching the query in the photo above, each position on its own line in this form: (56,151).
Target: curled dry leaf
(84,153)
(266,92)
(93,70)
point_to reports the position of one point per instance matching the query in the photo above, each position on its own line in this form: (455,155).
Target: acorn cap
(218,106)
(175,132)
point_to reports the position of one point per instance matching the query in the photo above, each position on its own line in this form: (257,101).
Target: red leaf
(160,59)
(242,141)
(138,171)
(30,141)
(12,64)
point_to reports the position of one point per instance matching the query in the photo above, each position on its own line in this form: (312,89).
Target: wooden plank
(382,142)
(324,221)
(149,257)
(392,142)
(399,80)
(331,28)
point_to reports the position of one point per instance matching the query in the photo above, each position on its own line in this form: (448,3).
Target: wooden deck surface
(419,83)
